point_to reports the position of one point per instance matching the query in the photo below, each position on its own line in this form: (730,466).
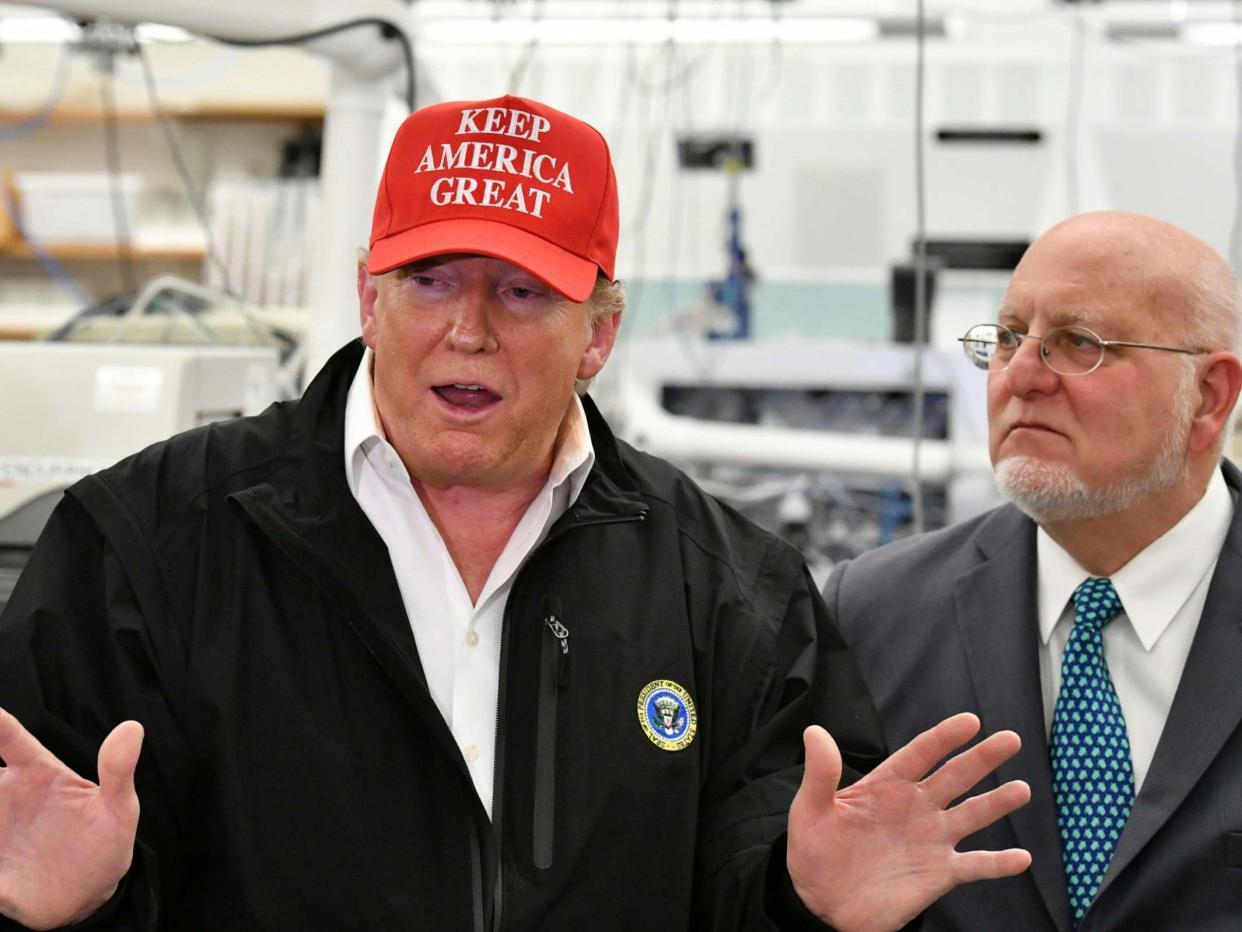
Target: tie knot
(1095,602)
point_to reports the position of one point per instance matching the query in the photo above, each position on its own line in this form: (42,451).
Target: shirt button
(472,638)
(472,753)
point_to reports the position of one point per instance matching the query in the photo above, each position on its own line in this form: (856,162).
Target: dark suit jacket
(946,622)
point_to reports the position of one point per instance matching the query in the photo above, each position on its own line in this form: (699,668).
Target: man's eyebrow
(1060,317)
(1076,315)
(428,262)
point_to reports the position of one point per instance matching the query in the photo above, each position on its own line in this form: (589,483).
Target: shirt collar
(575,454)
(1156,583)
(362,427)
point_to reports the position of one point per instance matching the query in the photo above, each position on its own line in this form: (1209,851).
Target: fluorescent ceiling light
(57,29)
(1212,33)
(685,30)
(158,32)
(38,29)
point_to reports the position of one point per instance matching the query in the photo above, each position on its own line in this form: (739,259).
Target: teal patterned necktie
(1092,776)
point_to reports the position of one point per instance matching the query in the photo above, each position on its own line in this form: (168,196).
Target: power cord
(388,30)
(192,191)
(919,390)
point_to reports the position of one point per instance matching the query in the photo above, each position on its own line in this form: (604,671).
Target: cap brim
(571,275)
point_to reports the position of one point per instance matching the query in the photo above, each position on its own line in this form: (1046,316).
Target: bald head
(1136,438)
(1167,273)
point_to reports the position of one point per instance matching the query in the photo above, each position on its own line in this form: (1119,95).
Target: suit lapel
(1207,706)
(997,617)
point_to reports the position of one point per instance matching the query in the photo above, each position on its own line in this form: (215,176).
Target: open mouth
(467,395)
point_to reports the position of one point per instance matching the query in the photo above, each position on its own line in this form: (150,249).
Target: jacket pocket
(553,677)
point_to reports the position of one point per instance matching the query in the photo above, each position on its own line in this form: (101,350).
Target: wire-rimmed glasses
(1069,350)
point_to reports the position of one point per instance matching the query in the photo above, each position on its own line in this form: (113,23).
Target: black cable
(518,72)
(920,272)
(776,59)
(1073,110)
(1235,233)
(120,210)
(192,191)
(387,28)
(39,117)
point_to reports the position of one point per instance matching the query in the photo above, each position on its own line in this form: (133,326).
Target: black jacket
(225,589)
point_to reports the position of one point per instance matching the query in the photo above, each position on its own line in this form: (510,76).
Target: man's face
(475,361)
(1080,446)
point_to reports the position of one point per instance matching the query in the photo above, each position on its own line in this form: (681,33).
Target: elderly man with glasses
(1098,614)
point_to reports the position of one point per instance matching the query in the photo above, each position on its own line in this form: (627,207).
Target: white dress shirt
(1162,592)
(458,641)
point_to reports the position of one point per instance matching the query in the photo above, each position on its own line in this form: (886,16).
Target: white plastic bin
(75,207)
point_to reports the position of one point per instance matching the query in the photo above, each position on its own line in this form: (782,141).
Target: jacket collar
(610,491)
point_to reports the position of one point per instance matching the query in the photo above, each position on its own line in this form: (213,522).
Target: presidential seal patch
(667,715)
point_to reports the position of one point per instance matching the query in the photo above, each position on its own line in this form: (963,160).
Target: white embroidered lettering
(493,189)
(494,117)
(427,163)
(452,156)
(541,198)
(482,155)
(540,161)
(517,123)
(439,196)
(467,124)
(517,200)
(504,159)
(540,125)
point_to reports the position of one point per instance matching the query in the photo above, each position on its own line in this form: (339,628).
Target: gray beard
(1051,492)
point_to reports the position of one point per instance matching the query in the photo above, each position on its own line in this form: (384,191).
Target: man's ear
(368,295)
(1220,380)
(603,337)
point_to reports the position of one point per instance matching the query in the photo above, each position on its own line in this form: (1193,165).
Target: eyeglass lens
(1068,350)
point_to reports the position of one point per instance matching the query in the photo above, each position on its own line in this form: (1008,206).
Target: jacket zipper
(498,779)
(553,677)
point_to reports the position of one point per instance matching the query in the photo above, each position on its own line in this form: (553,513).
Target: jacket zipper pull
(561,633)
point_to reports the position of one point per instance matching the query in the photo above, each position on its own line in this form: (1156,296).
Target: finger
(118,757)
(969,866)
(17,745)
(962,772)
(913,761)
(823,768)
(971,815)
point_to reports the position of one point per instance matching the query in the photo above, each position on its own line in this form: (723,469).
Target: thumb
(823,768)
(118,757)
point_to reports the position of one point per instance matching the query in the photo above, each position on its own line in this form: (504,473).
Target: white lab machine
(73,408)
(812,438)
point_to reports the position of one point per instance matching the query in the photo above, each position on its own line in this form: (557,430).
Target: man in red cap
(430,648)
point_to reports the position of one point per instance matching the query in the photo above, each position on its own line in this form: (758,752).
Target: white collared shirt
(1162,591)
(458,642)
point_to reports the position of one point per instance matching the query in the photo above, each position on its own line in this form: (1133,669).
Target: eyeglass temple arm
(1170,349)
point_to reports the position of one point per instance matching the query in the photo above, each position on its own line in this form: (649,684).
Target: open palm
(65,843)
(874,855)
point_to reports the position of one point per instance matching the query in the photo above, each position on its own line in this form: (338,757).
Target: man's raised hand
(65,843)
(874,855)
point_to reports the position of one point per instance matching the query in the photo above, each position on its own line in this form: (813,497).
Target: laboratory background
(818,197)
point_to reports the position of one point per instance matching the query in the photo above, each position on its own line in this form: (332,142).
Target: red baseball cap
(509,178)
